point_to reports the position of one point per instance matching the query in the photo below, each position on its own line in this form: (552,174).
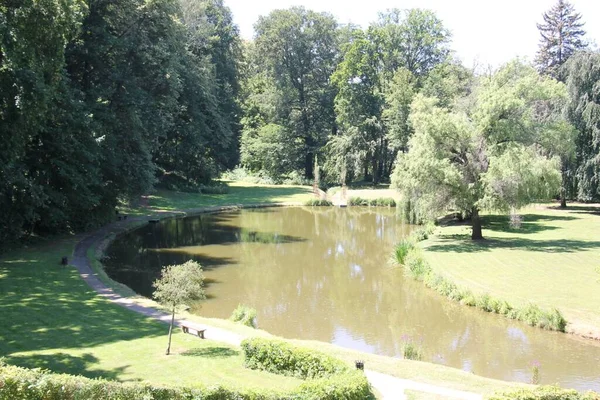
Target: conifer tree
(562,33)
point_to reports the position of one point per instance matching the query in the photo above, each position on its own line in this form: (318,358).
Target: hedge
(545,393)
(379,202)
(282,358)
(26,384)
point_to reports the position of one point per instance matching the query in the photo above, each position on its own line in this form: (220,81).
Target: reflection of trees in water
(315,272)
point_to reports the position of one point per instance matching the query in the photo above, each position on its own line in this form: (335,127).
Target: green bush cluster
(318,203)
(416,267)
(545,393)
(244,315)
(21,383)
(282,358)
(380,202)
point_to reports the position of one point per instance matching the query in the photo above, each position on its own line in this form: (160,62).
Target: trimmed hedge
(26,384)
(352,385)
(282,358)
(545,393)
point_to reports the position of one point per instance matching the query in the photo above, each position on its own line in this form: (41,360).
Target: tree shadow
(530,223)
(578,209)
(464,244)
(66,364)
(211,352)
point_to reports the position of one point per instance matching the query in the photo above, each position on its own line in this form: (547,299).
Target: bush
(415,266)
(402,250)
(352,385)
(244,315)
(21,383)
(379,202)
(318,203)
(282,358)
(545,393)
(411,350)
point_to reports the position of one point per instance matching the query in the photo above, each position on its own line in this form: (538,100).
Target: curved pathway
(388,386)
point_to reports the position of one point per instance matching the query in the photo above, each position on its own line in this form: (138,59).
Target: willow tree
(486,156)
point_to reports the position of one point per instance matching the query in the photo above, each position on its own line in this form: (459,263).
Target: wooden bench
(185,327)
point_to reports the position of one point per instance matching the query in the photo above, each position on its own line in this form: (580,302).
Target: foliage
(245,315)
(377,202)
(20,383)
(179,285)
(484,156)
(561,36)
(411,350)
(583,111)
(352,385)
(544,393)
(318,203)
(279,357)
(417,268)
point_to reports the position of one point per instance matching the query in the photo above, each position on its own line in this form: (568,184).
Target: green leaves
(180,285)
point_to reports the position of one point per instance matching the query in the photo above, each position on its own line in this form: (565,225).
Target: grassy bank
(53,320)
(551,261)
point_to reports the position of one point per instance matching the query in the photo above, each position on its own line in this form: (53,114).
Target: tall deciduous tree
(482,157)
(179,285)
(583,111)
(297,49)
(562,33)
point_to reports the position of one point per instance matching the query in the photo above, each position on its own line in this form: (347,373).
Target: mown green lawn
(553,260)
(240,193)
(52,319)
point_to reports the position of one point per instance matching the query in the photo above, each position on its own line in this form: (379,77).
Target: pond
(324,274)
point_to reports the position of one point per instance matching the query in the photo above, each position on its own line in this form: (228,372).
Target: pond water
(323,274)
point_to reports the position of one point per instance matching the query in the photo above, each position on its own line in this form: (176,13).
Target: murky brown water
(323,274)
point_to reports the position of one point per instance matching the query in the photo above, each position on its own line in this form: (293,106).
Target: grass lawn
(52,319)
(416,395)
(553,260)
(240,193)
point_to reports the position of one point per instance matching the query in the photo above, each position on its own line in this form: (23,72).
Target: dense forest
(103,100)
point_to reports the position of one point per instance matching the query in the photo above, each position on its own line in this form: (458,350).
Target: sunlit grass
(550,261)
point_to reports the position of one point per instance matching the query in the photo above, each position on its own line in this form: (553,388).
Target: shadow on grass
(66,364)
(578,209)
(464,244)
(530,223)
(211,352)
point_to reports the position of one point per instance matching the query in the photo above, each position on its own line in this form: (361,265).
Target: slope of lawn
(553,260)
(52,319)
(240,193)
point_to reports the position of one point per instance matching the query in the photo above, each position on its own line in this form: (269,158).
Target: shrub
(415,266)
(411,350)
(244,315)
(21,383)
(282,358)
(318,203)
(544,393)
(352,385)
(379,202)
(402,250)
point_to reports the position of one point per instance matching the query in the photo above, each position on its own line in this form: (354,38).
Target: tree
(561,37)
(583,111)
(179,285)
(297,48)
(486,156)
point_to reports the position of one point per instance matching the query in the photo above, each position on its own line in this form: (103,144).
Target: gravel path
(390,387)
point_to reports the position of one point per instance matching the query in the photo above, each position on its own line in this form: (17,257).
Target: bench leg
(201,334)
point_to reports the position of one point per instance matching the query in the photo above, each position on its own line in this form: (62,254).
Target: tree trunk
(476,223)
(563,187)
(171,331)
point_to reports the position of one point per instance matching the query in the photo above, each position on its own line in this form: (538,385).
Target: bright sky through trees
(489,32)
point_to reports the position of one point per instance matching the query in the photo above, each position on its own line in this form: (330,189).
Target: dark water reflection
(323,274)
